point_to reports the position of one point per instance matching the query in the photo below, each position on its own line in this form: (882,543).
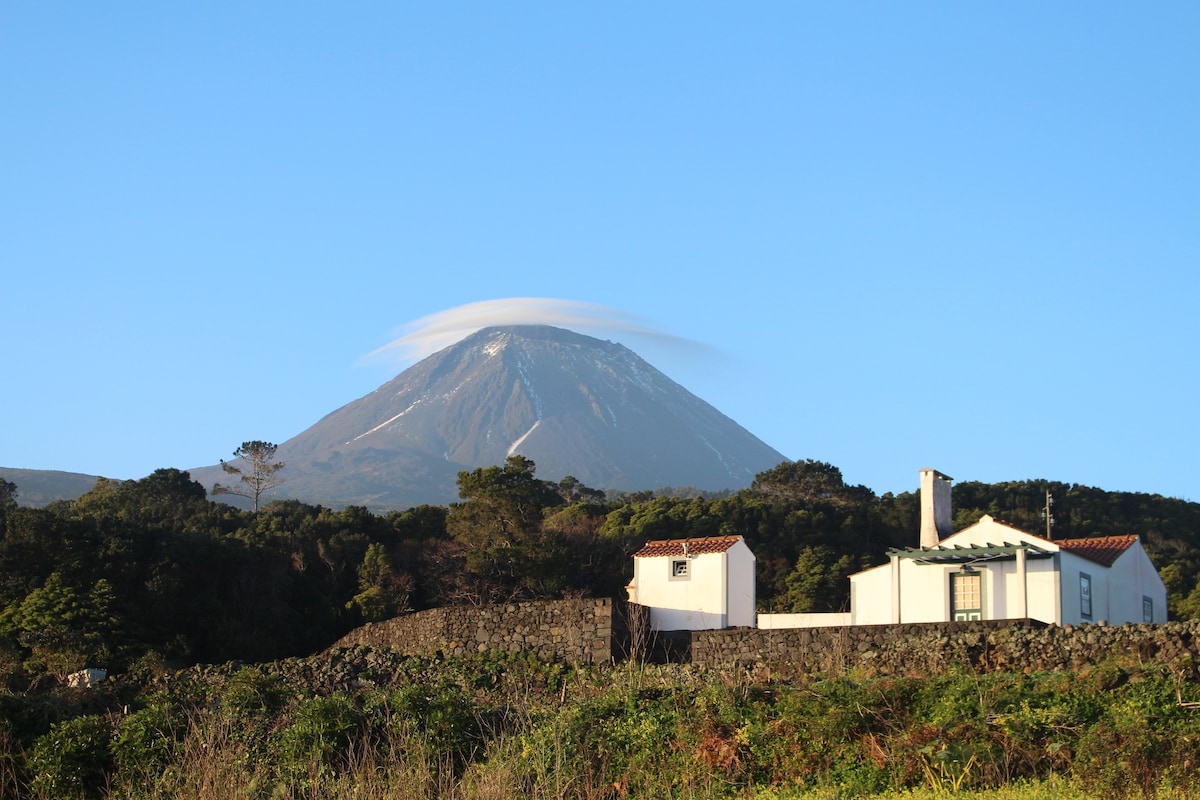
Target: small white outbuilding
(695,584)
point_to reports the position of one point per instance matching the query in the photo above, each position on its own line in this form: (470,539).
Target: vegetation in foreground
(499,726)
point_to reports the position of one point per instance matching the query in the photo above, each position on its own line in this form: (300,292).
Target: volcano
(573,404)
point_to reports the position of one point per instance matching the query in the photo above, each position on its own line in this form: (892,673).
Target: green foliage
(8,496)
(817,582)
(500,524)
(442,716)
(384,593)
(147,742)
(251,693)
(809,481)
(64,629)
(571,490)
(316,746)
(507,725)
(73,759)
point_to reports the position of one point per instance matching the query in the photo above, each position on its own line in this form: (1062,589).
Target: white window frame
(1085,595)
(958,579)
(681,569)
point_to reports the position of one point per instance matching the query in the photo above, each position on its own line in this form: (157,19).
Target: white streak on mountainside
(385,424)
(513,447)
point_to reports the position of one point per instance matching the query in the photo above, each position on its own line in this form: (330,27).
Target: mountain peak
(514,334)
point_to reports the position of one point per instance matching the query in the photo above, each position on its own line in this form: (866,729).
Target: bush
(250,692)
(442,716)
(146,741)
(317,743)
(73,759)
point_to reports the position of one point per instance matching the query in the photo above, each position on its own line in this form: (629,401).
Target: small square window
(679,568)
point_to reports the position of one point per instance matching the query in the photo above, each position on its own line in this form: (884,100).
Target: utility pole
(1046,514)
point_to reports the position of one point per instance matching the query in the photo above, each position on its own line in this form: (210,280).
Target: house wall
(1137,578)
(925,592)
(1052,595)
(1150,583)
(1003,591)
(871,596)
(1044,583)
(1117,592)
(740,586)
(695,603)
(1073,606)
(768,622)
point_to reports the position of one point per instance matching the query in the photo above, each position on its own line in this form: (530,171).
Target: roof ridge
(697,538)
(695,545)
(1101,549)
(1105,537)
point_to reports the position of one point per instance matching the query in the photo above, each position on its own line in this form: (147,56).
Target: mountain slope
(39,487)
(573,404)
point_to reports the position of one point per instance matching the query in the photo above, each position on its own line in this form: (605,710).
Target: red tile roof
(695,547)
(1101,549)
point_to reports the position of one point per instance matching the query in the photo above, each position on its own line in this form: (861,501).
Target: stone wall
(1023,645)
(577,631)
(601,630)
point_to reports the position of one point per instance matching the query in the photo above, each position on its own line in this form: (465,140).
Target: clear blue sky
(962,236)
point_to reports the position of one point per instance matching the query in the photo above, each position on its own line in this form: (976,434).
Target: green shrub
(73,759)
(442,716)
(145,745)
(317,743)
(251,692)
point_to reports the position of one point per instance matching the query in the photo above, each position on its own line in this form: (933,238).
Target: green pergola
(958,554)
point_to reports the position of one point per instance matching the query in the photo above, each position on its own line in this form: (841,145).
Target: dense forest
(152,571)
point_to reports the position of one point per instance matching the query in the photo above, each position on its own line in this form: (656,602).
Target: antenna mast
(1046,514)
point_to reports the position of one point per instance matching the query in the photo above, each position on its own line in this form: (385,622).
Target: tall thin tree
(259,474)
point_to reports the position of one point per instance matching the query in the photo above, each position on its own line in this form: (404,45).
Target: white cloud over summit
(431,333)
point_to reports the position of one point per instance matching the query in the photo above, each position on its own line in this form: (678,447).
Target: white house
(992,570)
(695,584)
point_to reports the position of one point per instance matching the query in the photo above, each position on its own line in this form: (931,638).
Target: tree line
(153,571)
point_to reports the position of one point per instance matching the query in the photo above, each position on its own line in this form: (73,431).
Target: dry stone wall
(1023,646)
(577,631)
(601,630)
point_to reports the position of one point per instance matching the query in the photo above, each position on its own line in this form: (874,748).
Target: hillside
(39,487)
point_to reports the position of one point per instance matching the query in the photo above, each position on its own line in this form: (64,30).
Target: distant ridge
(40,487)
(573,404)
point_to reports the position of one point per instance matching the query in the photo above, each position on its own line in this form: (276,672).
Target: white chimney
(935,507)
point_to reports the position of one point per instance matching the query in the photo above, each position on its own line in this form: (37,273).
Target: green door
(965,597)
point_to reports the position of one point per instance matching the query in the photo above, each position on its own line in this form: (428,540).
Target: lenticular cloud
(432,333)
